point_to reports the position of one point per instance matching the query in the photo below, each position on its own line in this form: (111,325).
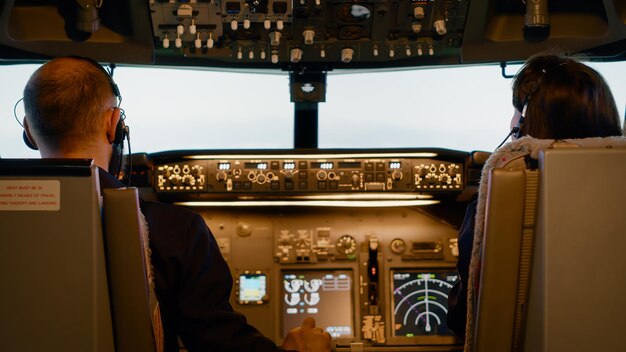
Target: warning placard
(30,195)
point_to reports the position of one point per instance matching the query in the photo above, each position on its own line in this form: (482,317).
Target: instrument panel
(365,242)
(277,32)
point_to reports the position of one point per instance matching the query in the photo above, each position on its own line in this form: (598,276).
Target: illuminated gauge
(346,245)
(292,299)
(420,302)
(292,285)
(312,299)
(313,285)
(397,246)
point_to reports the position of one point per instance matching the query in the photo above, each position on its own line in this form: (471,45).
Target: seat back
(69,285)
(126,245)
(577,287)
(551,270)
(54,292)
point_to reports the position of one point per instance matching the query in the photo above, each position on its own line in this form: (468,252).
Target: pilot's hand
(307,338)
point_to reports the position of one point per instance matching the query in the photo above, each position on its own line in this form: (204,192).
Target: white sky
(169,109)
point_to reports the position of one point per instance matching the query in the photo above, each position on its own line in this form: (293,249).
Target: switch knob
(295,55)
(308,36)
(275,38)
(346,55)
(416,27)
(418,13)
(440,27)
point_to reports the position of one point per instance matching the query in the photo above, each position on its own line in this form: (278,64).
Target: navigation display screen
(420,302)
(252,288)
(325,295)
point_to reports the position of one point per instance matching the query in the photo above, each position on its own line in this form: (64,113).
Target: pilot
(72,111)
(555,97)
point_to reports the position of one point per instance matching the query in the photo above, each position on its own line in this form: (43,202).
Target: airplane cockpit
(362,239)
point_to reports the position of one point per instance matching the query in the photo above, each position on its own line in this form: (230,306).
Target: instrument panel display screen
(257,166)
(420,302)
(325,295)
(252,288)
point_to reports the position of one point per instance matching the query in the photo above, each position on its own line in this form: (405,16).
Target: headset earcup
(28,143)
(119,132)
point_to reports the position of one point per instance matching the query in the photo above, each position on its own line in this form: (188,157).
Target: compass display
(420,302)
(325,295)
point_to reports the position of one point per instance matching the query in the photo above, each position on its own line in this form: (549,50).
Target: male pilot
(72,111)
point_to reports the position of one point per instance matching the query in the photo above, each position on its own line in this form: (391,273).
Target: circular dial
(420,302)
(397,246)
(346,244)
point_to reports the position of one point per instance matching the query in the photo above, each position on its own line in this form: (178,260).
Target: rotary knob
(355,180)
(221,176)
(189,180)
(175,180)
(346,244)
(396,175)
(397,246)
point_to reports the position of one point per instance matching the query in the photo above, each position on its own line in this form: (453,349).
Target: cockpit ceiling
(316,34)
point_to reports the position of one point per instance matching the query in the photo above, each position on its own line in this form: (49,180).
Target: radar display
(420,302)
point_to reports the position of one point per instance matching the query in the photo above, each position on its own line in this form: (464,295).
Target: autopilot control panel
(365,242)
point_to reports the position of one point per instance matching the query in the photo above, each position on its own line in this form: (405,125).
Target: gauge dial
(346,245)
(397,246)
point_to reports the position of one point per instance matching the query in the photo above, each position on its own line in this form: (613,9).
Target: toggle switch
(346,55)
(295,55)
(308,36)
(275,38)
(210,42)
(178,42)
(440,27)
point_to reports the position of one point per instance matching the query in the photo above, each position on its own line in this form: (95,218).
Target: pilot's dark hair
(565,98)
(64,103)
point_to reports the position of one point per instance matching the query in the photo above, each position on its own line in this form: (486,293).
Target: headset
(121,130)
(517,130)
